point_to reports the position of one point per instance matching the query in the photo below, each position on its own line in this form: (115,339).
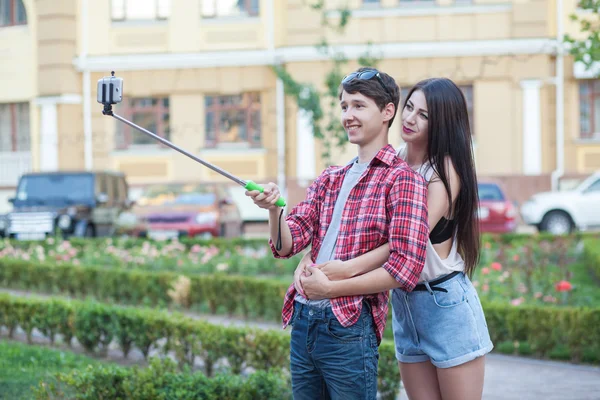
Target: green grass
(23,366)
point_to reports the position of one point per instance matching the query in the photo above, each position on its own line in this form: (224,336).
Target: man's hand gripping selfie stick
(110,91)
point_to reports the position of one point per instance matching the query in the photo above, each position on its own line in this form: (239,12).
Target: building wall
(40,62)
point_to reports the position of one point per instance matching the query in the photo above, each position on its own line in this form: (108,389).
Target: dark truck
(66,203)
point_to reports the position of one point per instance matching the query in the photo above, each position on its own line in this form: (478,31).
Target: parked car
(3,225)
(183,210)
(68,203)
(497,213)
(562,212)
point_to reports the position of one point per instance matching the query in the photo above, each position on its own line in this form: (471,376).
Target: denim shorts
(444,323)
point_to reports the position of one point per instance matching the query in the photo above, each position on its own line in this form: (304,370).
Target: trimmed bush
(161,381)
(233,349)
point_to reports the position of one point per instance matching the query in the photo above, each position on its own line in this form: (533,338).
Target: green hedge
(591,256)
(130,243)
(551,332)
(516,239)
(543,328)
(161,381)
(249,297)
(97,325)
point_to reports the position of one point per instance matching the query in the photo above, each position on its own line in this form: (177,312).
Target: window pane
(594,187)
(596,127)
(21,15)
(255,129)
(5,127)
(237,118)
(253,7)
(146,120)
(209,8)
(229,8)
(5,17)
(23,134)
(468,93)
(117,9)
(584,117)
(403,95)
(166,131)
(232,126)
(584,109)
(141,9)
(210,126)
(145,102)
(149,113)
(584,89)
(164,9)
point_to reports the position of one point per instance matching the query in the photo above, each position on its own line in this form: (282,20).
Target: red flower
(496,266)
(563,286)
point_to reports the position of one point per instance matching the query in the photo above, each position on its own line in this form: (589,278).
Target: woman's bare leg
(420,381)
(463,382)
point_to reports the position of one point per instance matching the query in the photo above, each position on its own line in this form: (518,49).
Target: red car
(497,214)
(186,210)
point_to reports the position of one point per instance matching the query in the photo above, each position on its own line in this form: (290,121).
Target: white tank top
(435,266)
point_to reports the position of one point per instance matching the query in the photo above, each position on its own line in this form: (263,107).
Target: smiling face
(415,119)
(361,118)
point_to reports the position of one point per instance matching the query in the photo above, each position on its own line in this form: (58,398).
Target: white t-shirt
(435,266)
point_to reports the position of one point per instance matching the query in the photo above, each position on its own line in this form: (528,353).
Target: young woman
(440,331)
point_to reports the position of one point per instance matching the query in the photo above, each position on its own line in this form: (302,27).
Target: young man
(348,211)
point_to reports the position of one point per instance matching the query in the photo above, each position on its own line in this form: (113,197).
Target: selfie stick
(110,91)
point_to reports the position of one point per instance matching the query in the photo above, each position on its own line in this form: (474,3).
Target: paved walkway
(507,377)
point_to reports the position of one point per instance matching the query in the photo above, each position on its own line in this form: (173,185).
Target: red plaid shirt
(388,204)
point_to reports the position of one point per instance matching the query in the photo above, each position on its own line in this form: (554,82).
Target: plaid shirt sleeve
(304,218)
(408,229)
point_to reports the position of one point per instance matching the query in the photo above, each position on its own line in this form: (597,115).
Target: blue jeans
(329,361)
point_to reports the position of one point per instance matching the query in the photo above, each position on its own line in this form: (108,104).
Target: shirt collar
(386,155)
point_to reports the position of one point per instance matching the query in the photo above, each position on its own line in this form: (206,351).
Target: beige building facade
(199,73)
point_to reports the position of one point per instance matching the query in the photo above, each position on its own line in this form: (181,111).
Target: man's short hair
(375,85)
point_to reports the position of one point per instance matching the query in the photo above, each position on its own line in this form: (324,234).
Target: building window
(14,127)
(467,92)
(229,8)
(421,2)
(12,12)
(233,120)
(151,113)
(140,10)
(589,109)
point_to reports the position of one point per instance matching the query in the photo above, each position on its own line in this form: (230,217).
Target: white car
(563,212)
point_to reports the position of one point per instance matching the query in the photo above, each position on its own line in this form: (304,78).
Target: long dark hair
(450,136)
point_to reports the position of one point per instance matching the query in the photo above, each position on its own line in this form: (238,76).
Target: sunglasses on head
(367,75)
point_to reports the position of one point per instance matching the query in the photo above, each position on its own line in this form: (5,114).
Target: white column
(49,137)
(305,148)
(48,125)
(532,127)
(87,107)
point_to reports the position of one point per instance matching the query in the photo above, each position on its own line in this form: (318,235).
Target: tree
(325,123)
(586,50)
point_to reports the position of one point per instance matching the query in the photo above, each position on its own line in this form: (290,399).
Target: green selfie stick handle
(255,186)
